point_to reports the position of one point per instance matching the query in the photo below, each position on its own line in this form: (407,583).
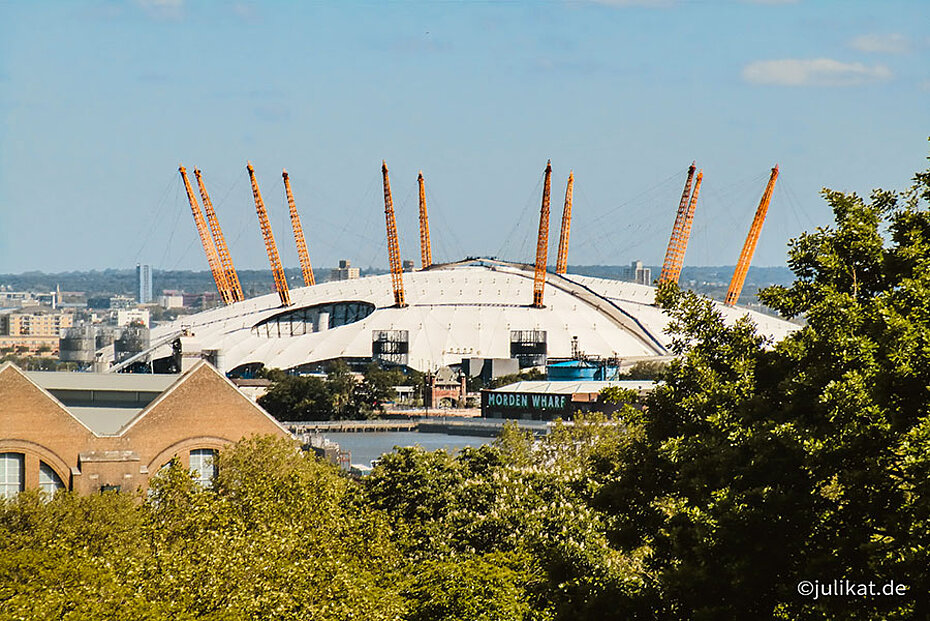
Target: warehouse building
(91,432)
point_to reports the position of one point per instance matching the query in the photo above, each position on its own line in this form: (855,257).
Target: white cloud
(882,43)
(813,72)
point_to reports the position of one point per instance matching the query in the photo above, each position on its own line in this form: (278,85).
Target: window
(49,480)
(11,474)
(316,318)
(203,466)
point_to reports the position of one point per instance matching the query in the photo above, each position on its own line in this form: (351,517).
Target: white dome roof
(454,311)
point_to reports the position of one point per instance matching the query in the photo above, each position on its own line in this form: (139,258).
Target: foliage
(340,396)
(72,557)
(616,395)
(486,587)
(37,363)
(518,499)
(281,536)
(645,370)
(759,465)
(527,376)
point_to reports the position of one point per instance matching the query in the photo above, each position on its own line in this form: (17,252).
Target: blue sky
(100,102)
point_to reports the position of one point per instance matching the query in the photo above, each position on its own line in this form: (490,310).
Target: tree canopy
(338,396)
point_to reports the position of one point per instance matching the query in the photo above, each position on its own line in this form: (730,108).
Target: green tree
(296,398)
(375,389)
(758,465)
(281,536)
(518,499)
(487,587)
(342,388)
(72,557)
(646,370)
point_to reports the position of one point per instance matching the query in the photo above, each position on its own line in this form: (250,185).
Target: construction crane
(232,278)
(542,242)
(426,249)
(561,263)
(219,277)
(280,280)
(745,257)
(305,267)
(397,272)
(674,241)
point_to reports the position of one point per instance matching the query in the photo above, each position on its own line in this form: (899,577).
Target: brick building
(91,432)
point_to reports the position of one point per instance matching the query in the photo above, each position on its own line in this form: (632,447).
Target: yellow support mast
(305,267)
(397,271)
(542,242)
(280,280)
(668,265)
(426,248)
(749,247)
(681,245)
(232,278)
(561,264)
(213,259)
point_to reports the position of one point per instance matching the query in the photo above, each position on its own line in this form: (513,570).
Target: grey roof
(130,382)
(104,421)
(570,388)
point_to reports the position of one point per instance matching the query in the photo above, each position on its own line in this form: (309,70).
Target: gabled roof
(8,368)
(116,421)
(200,367)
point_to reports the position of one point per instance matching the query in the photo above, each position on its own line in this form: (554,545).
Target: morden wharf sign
(522,402)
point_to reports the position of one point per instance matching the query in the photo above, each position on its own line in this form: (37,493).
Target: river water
(368,446)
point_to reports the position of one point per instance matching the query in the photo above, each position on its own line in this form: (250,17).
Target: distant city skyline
(100,101)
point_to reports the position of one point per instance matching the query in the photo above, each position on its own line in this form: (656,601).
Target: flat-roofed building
(345,271)
(90,432)
(34,329)
(543,400)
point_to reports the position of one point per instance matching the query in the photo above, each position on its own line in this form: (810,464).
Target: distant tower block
(144,278)
(345,271)
(638,273)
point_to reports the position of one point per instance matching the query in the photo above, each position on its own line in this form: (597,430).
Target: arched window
(12,476)
(49,480)
(203,466)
